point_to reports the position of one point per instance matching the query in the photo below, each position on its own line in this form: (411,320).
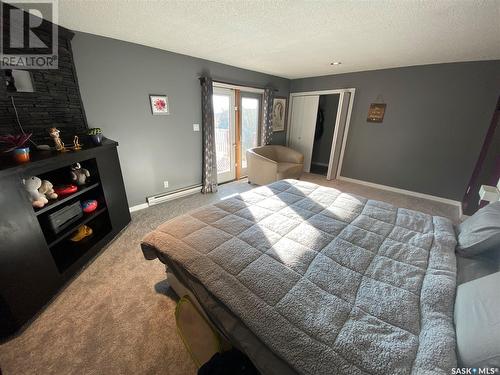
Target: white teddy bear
(31,185)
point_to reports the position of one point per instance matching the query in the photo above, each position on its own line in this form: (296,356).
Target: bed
(308,279)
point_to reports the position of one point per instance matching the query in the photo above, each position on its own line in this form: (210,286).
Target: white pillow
(477,322)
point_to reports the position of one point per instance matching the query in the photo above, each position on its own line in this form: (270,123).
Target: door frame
(352,91)
(238,93)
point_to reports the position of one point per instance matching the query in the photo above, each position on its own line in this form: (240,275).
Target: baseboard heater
(174,194)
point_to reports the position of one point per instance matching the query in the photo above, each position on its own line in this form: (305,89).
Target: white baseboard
(160,198)
(403,191)
(138,207)
(156,199)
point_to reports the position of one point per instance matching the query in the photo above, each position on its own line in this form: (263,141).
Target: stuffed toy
(47,189)
(78,174)
(82,232)
(32,185)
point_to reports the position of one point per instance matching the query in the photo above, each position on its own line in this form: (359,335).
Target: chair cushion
(480,232)
(266,151)
(477,321)
(289,170)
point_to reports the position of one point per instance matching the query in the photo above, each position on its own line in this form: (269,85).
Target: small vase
(22,155)
(96,139)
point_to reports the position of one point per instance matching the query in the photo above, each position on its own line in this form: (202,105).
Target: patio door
(248,132)
(225,143)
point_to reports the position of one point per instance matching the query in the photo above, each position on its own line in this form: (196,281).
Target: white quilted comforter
(333,283)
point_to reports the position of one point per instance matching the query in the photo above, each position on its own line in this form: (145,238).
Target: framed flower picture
(159,104)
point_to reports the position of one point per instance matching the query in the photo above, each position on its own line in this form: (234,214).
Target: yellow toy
(82,232)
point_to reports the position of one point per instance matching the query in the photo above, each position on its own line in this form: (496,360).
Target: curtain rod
(201,78)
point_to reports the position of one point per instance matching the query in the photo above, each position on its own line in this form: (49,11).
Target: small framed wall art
(159,104)
(279,113)
(376,112)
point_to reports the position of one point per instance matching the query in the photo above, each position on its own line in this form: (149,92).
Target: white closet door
(338,135)
(303,125)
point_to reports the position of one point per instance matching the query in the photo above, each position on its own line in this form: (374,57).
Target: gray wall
(322,147)
(434,125)
(116,78)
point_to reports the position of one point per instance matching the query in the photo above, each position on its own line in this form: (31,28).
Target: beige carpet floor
(117,316)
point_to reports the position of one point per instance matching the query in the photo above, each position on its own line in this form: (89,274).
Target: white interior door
(224,121)
(303,125)
(339,135)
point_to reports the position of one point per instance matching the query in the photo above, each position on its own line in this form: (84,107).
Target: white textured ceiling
(298,38)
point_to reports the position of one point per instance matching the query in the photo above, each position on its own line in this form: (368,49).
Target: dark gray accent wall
(435,123)
(116,78)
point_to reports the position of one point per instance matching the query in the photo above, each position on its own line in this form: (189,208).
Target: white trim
(346,131)
(160,198)
(352,91)
(403,191)
(236,87)
(138,207)
(322,92)
(335,136)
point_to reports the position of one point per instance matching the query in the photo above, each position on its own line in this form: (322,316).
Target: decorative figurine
(32,185)
(89,206)
(47,189)
(82,232)
(76,145)
(78,174)
(54,133)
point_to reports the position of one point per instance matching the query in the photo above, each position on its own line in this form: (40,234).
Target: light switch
(196,127)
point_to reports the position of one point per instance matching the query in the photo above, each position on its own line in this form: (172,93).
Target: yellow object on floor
(199,338)
(82,232)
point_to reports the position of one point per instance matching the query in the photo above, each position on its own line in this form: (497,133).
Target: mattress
(225,322)
(328,281)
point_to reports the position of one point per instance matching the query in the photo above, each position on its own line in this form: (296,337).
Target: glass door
(224,121)
(249,125)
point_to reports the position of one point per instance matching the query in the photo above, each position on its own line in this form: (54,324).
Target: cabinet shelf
(57,202)
(84,220)
(67,254)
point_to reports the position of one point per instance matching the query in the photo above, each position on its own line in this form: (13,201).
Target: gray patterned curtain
(266,133)
(209,177)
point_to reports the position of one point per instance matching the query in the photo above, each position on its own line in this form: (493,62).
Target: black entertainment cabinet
(35,262)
